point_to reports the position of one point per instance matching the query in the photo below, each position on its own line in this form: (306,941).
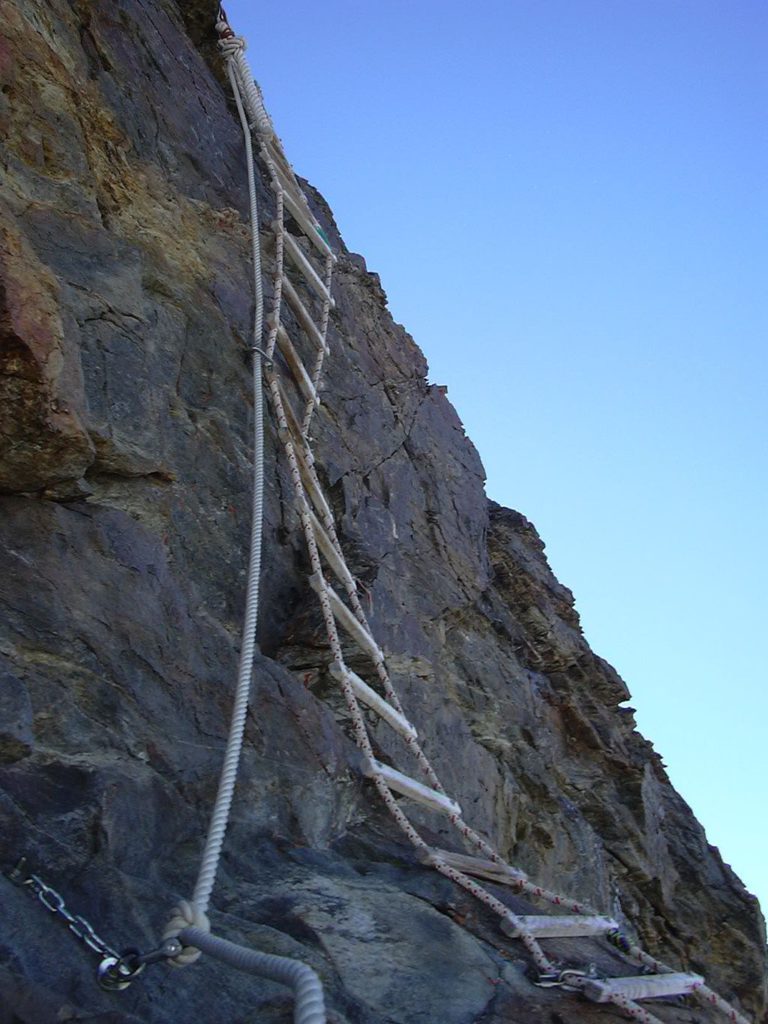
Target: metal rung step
(374,700)
(300,260)
(489,869)
(297,367)
(331,555)
(342,614)
(644,986)
(411,788)
(302,315)
(554,927)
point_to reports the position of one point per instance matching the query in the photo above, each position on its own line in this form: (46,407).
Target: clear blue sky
(566,201)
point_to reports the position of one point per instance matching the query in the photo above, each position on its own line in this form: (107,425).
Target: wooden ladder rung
(294,200)
(373,700)
(414,790)
(489,869)
(306,221)
(297,367)
(343,615)
(301,260)
(330,553)
(316,496)
(558,927)
(288,180)
(303,316)
(294,427)
(643,986)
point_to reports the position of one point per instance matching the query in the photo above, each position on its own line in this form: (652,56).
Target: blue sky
(566,201)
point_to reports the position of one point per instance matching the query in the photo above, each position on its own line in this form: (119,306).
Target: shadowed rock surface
(125,419)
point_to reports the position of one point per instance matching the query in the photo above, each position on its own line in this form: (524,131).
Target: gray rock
(125,477)
(16,737)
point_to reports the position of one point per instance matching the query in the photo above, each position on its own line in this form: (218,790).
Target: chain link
(116,970)
(54,902)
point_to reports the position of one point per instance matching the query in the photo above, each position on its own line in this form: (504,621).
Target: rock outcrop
(124,504)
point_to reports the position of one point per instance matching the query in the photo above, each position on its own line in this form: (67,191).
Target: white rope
(233,47)
(310,1004)
(193,913)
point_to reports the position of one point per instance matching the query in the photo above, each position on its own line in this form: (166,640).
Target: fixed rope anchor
(116,970)
(117,973)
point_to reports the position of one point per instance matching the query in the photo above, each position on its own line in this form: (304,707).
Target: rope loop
(185,915)
(231,44)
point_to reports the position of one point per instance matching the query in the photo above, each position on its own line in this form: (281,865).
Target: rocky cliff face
(124,473)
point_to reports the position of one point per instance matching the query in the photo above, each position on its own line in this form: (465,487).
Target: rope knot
(229,43)
(185,915)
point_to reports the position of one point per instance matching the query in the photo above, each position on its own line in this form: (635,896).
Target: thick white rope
(310,1005)
(189,921)
(233,49)
(194,913)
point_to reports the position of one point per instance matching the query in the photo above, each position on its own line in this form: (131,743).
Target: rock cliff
(124,488)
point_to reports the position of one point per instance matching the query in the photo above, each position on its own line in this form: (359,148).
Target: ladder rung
(501,873)
(332,556)
(307,477)
(358,632)
(294,427)
(302,262)
(554,927)
(302,315)
(293,198)
(644,986)
(374,700)
(291,185)
(305,220)
(288,181)
(299,369)
(411,788)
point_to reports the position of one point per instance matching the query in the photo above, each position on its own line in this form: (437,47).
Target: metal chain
(116,970)
(54,902)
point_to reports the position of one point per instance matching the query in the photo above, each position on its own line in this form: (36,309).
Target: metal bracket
(560,979)
(116,973)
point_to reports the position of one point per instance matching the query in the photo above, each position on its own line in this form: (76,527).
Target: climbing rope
(193,913)
(310,1007)
(190,923)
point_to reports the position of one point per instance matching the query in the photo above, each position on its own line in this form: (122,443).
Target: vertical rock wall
(125,418)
